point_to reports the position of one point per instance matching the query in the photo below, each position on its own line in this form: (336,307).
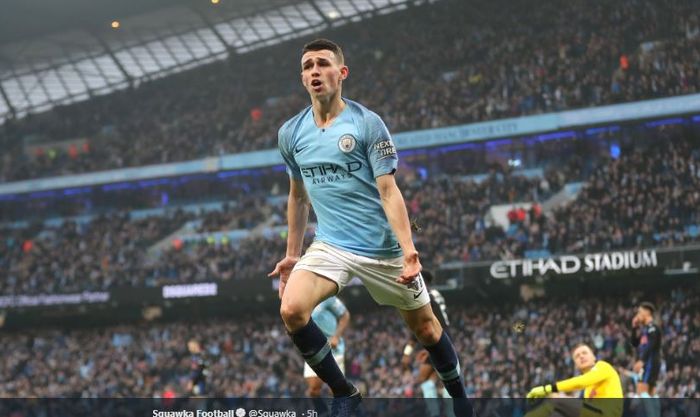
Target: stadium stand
(637,186)
(250,357)
(530,60)
(451,212)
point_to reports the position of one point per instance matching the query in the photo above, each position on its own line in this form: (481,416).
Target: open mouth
(316,83)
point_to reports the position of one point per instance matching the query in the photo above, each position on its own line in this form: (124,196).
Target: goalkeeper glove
(542,391)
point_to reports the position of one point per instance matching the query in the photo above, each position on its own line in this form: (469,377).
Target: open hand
(284,270)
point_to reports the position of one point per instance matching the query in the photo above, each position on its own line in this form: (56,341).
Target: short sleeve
(381,151)
(283,143)
(337,308)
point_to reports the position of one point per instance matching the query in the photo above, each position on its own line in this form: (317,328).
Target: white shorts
(378,275)
(339,359)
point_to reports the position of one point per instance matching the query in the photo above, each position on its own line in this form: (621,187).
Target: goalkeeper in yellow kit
(600,383)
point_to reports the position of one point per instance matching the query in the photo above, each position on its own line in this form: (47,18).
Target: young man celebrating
(341,160)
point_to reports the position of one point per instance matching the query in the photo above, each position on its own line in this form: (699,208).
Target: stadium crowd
(112,250)
(559,55)
(647,197)
(91,256)
(73,258)
(253,357)
(451,215)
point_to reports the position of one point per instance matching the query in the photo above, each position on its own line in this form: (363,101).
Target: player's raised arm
(598,378)
(395,209)
(576,383)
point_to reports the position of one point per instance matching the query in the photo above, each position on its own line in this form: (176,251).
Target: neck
(585,370)
(327,110)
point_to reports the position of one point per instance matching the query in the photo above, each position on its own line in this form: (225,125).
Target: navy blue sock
(446,363)
(314,347)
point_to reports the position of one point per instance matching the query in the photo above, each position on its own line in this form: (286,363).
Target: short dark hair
(322,44)
(648,306)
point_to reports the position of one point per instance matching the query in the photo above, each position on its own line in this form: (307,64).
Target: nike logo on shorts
(415,296)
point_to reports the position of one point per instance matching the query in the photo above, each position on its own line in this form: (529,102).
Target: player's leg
(314,385)
(426,379)
(426,375)
(427,328)
(654,371)
(560,407)
(642,389)
(442,391)
(572,407)
(425,370)
(430,334)
(413,302)
(650,374)
(645,389)
(304,291)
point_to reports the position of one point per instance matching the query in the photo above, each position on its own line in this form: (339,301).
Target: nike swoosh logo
(298,149)
(415,296)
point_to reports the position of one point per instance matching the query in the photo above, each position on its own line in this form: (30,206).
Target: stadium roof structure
(54,53)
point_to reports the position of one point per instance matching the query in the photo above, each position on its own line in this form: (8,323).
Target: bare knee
(294,315)
(428,331)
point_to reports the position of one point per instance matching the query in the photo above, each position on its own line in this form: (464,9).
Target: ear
(344,72)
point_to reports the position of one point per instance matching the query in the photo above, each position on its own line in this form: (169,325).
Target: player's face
(583,358)
(644,315)
(321,73)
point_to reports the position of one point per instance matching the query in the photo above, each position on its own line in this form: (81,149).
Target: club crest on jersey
(347,143)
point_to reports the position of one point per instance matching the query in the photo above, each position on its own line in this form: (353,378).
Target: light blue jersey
(326,316)
(339,166)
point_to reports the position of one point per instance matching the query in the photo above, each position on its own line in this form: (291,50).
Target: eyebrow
(310,60)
